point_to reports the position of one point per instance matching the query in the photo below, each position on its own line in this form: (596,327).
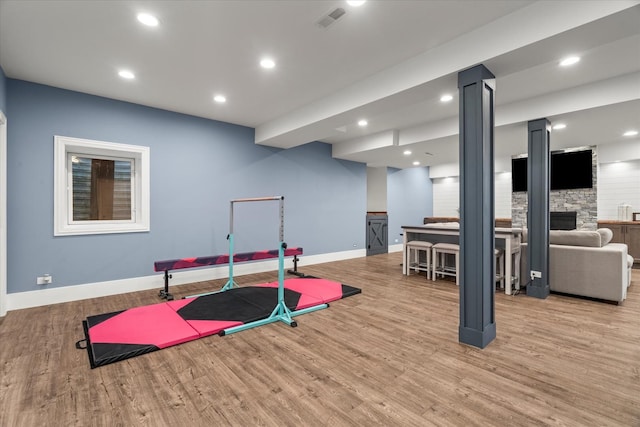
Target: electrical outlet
(536,274)
(44,280)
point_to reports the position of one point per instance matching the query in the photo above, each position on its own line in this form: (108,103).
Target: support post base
(477,338)
(538,290)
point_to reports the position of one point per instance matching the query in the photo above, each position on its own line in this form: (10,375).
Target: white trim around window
(63,204)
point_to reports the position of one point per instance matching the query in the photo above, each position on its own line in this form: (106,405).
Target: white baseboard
(395,248)
(47,296)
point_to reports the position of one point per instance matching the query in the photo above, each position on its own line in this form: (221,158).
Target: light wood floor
(387,357)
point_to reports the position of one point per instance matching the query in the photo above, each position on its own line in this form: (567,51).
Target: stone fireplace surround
(583,201)
(563,220)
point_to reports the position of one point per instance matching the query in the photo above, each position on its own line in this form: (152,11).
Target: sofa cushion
(575,238)
(442,224)
(606,235)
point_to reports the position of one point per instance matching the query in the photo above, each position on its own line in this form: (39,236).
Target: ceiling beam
(606,92)
(319,119)
(366,143)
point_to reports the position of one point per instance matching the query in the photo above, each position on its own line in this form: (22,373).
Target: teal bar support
(281,247)
(273,319)
(281,312)
(230,282)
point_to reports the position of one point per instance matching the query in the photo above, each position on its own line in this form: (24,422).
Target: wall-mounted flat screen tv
(569,170)
(519,174)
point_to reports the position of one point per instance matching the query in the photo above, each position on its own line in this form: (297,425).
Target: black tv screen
(519,174)
(569,170)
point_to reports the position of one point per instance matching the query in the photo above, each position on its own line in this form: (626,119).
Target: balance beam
(177,264)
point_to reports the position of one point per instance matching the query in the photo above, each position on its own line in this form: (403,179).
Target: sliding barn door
(377,234)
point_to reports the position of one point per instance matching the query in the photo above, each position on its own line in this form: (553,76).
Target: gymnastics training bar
(176,264)
(164,293)
(257,199)
(230,282)
(280,312)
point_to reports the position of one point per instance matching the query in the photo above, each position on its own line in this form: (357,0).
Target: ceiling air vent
(331,17)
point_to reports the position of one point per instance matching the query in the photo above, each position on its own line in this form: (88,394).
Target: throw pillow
(605,235)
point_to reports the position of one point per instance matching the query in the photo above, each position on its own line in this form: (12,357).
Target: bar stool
(440,251)
(500,276)
(515,269)
(416,247)
(514,259)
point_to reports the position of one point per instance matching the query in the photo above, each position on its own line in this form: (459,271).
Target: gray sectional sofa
(585,263)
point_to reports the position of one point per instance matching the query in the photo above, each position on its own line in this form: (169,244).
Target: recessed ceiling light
(220,99)
(126,74)
(148,20)
(416,163)
(362,123)
(407,152)
(446,98)
(630,133)
(559,126)
(356,3)
(569,61)
(267,63)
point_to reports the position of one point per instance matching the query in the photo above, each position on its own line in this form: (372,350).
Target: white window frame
(64,225)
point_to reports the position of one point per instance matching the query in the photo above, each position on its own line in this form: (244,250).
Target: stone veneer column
(582,200)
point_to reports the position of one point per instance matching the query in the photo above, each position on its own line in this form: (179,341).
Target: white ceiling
(386,61)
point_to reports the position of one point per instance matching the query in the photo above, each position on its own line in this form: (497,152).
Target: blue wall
(409,199)
(3,92)
(197,167)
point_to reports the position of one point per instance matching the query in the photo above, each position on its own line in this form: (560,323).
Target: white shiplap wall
(446,196)
(503,195)
(618,183)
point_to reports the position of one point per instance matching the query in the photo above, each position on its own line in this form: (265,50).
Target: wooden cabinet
(632,239)
(627,232)
(618,231)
